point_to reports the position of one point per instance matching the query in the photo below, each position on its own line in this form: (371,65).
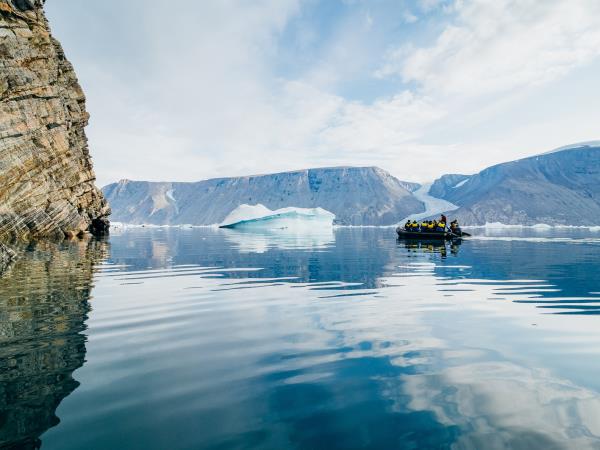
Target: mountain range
(559,187)
(356,195)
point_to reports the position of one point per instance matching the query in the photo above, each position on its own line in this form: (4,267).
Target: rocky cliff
(444,185)
(356,195)
(46,177)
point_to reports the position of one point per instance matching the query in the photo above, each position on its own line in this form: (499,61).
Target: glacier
(433,205)
(291,218)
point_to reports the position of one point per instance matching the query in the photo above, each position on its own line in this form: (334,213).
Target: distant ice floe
(260,217)
(538,226)
(274,225)
(124,226)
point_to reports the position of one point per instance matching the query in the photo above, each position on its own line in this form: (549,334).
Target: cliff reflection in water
(41,343)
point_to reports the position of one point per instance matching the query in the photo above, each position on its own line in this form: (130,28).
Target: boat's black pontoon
(438,235)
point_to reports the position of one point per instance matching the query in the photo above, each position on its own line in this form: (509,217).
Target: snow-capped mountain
(356,195)
(558,187)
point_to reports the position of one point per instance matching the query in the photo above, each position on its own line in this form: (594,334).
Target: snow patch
(169,195)
(259,216)
(573,146)
(460,183)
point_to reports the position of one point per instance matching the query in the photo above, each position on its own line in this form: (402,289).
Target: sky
(189,90)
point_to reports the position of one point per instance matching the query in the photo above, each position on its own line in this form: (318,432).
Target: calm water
(206,339)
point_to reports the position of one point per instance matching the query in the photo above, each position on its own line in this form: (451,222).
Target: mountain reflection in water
(203,338)
(43,308)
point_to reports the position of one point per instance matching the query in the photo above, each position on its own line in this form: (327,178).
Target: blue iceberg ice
(261,217)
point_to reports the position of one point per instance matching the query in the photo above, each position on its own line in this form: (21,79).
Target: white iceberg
(260,217)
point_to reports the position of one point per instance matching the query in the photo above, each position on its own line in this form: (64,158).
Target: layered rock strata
(7,255)
(46,177)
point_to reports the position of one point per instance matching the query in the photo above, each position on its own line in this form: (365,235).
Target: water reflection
(260,241)
(43,307)
(502,405)
(444,248)
(216,339)
(353,255)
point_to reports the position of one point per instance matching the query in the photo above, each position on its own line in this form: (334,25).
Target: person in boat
(408,225)
(441,225)
(423,226)
(455,228)
(415,226)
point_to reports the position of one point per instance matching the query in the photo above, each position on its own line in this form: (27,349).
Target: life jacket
(442,225)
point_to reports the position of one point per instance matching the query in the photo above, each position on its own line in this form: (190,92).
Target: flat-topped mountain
(356,195)
(558,187)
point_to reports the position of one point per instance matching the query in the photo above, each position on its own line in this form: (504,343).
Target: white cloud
(429,5)
(200,97)
(496,46)
(383,126)
(410,17)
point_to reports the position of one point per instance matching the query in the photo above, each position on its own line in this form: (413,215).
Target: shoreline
(489,225)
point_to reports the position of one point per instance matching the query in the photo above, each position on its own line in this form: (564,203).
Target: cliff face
(46,176)
(444,186)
